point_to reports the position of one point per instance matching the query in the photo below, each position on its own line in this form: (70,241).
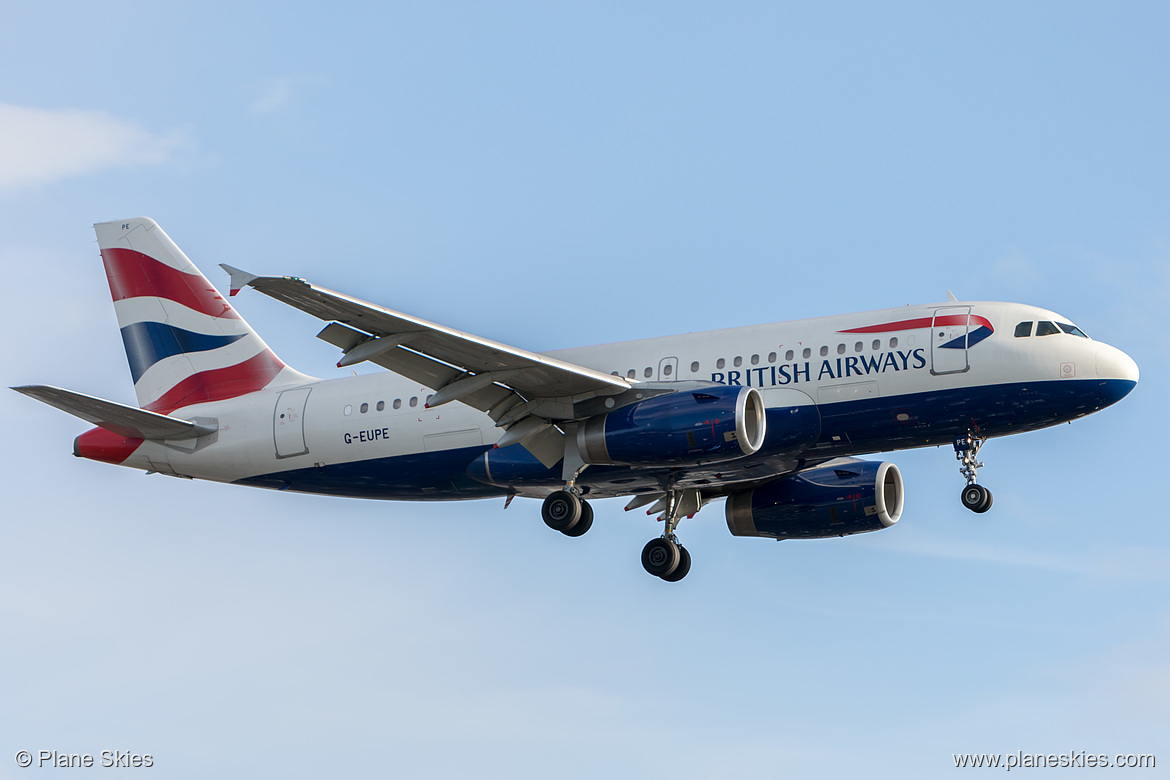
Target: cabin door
(948,340)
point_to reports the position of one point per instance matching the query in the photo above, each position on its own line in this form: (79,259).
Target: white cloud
(42,146)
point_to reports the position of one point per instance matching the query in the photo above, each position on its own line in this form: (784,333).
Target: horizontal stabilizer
(128,421)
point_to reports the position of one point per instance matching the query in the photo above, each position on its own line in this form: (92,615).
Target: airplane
(769,418)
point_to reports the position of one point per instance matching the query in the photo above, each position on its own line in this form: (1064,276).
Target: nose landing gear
(975,497)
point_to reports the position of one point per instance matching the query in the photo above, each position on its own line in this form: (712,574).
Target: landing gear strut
(664,557)
(975,497)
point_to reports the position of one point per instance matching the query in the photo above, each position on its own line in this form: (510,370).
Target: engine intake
(835,500)
(695,426)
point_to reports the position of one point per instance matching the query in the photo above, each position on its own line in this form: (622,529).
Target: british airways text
(838,368)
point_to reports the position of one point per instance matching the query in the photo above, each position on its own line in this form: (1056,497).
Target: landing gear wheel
(684,566)
(561,510)
(583,524)
(976,498)
(660,557)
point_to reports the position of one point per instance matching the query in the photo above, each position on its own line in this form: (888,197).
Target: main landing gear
(664,557)
(975,497)
(567,512)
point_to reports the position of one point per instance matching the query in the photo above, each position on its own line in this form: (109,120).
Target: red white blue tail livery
(184,342)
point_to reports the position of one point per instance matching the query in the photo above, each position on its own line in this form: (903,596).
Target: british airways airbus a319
(767,417)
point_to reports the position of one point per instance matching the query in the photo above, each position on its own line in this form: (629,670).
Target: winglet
(950,296)
(240,279)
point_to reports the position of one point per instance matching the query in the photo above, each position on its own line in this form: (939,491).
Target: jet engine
(846,497)
(695,426)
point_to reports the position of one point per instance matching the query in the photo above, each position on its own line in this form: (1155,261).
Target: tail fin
(184,342)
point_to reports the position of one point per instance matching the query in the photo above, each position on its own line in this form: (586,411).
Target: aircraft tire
(976,498)
(561,510)
(684,566)
(584,523)
(660,557)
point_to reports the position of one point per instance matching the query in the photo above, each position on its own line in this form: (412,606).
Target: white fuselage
(856,369)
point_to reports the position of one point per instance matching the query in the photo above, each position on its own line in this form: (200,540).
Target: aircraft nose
(1117,371)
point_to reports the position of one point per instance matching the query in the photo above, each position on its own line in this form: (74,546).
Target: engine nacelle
(834,500)
(709,425)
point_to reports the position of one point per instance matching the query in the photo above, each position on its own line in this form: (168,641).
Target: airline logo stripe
(149,342)
(220,383)
(972,338)
(134,275)
(925,322)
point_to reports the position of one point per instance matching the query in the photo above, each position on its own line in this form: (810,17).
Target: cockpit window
(1045,328)
(1072,330)
(1023,330)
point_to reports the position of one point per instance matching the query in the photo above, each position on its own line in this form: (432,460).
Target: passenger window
(695,367)
(667,370)
(840,349)
(1045,328)
(647,372)
(1024,330)
(894,343)
(364,408)
(348,410)
(414,401)
(381,406)
(397,403)
(858,347)
(771,357)
(1072,330)
(737,362)
(877,344)
(789,356)
(807,353)
(755,360)
(631,374)
(720,363)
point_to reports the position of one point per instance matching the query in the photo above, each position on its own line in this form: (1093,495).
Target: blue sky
(552,175)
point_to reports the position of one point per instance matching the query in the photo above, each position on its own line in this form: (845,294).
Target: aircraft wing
(508,383)
(121,419)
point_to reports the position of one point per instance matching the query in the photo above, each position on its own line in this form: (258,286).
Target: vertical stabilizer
(184,342)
